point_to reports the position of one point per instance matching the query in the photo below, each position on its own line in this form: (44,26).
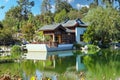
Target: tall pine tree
(25,6)
(45,8)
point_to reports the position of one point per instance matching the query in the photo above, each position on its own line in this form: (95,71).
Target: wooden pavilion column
(53,38)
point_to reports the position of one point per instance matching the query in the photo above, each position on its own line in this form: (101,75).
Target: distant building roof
(70,23)
(67,23)
(50,27)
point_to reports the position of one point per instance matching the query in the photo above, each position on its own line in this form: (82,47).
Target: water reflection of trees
(62,63)
(11,68)
(104,64)
(28,67)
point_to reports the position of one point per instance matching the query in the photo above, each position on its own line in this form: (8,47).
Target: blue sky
(36,9)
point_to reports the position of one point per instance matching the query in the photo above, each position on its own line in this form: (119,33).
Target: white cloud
(79,6)
(53,8)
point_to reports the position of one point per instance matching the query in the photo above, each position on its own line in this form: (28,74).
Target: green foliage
(47,38)
(39,21)
(88,61)
(43,19)
(106,3)
(61,16)
(1,25)
(45,7)
(29,67)
(84,11)
(77,52)
(93,49)
(93,5)
(13,18)
(14,12)
(60,5)
(16,51)
(74,14)
(38,36)
(48,18)
(25,6)
(77,46)
(89,34)
(102,64)
(6,35)
(103,24)
(28,31)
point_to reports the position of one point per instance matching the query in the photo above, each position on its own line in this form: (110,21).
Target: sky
(36,9)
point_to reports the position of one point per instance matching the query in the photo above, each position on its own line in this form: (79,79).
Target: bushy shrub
(88,61)
(16,51)
(77,46)
(47,38)
(92,49)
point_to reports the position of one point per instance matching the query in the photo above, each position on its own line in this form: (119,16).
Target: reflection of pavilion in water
(36,55)
(60,56)
(43,55)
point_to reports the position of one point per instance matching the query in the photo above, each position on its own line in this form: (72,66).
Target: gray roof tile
(49,27)
(71,23)
(68,23)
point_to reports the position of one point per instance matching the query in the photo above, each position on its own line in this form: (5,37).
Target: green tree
(28,31)
(103,25)
(13,18)
(46,16)
(63,5)
(43,19)
(59,17)
(13,12)
(1,25)
(95,2)
(93,5)
(16,51)
(39,36)
(45,7)
(6,35)
(84,11)
(25,6)
(39,20)
(106,3)
(57,2)
(74,14)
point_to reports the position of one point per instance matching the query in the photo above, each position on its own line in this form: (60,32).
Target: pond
(60,63)
(67,65)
